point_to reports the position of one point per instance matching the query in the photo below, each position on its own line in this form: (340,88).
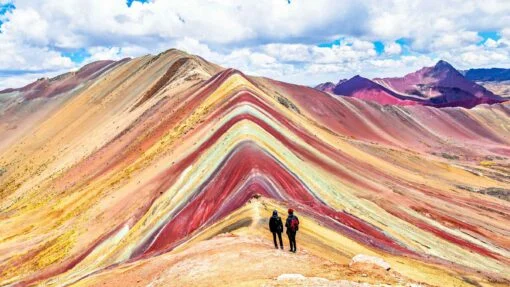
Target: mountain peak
(326,87)
(442,62)
(360,80)
(442,65)
(442,86)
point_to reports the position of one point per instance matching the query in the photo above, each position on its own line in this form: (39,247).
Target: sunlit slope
(241,240)
(157,153)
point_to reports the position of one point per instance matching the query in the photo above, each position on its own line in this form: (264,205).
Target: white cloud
(103,53)
(392,48)
(289,52)
(435,24)
(490,43)
(266,37)
(28,26)
(21,57)
(454,40)
(216,21)
(506,33)
(194,46)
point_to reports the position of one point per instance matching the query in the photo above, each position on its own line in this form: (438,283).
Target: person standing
(292,225)
(276,227)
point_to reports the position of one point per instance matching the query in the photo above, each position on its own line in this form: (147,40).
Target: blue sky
(4,8)
(303,42)
(130,2)
(78,55)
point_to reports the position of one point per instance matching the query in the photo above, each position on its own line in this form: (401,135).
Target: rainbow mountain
(163,171)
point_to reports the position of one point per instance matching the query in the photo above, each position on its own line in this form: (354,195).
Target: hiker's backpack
(294,224)
(275,224)
(279,224)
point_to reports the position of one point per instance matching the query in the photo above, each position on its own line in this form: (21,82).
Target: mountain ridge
(110,183)
(440,85)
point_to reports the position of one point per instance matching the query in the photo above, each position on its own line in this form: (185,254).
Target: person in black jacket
(292,225)
(276,227)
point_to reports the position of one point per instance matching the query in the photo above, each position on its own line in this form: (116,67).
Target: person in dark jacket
(292,225)
(276,227)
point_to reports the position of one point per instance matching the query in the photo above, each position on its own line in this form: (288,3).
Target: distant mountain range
(439,86)
(492,74)
(496,80)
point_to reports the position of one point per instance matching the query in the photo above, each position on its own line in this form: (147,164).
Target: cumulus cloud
(392,48)
(267,37)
